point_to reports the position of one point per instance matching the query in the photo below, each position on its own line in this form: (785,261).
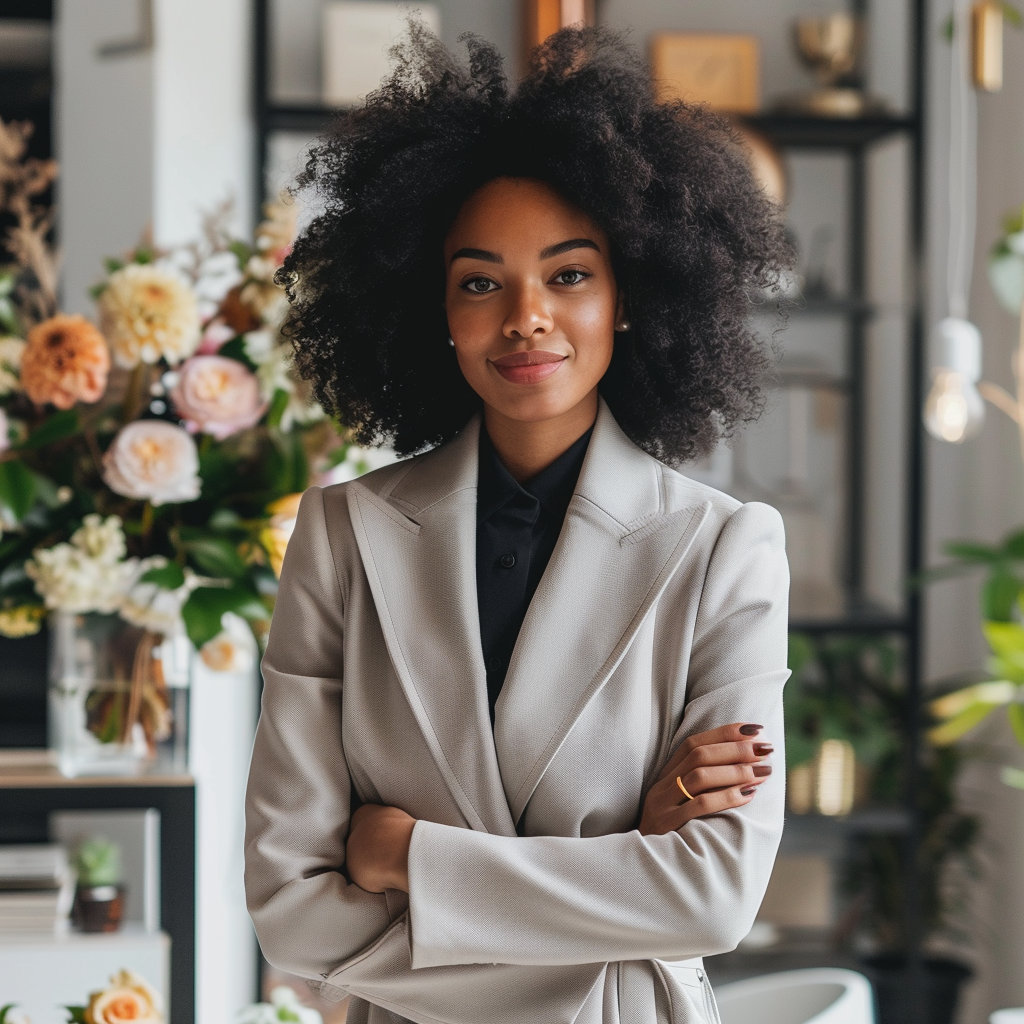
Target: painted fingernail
(750,730)
(762,769)
(748,791)
(761,749)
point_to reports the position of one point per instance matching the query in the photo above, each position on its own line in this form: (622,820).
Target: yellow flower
(129,1000)
(148,313)
(282,521)
(22,621)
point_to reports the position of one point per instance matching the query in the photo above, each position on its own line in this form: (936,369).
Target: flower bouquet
(150,463)
(129,999)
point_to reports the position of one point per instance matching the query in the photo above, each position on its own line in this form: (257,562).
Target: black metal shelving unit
(854,137)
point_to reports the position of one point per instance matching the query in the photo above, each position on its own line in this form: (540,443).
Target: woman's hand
(720,768)
(377,849)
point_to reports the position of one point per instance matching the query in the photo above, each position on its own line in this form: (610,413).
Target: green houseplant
(99,894)
(850,688)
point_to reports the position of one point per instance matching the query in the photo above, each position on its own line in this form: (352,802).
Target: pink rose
(215,334)
(218,396)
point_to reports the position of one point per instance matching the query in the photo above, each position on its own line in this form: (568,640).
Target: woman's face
(531,300)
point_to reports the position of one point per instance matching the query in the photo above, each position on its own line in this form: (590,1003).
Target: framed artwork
(722,71)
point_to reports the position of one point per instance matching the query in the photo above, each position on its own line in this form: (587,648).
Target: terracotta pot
(98,908)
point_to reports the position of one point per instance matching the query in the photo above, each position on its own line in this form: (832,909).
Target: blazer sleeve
(307,915)
(480,898)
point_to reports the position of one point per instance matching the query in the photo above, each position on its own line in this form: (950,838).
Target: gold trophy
(831,47)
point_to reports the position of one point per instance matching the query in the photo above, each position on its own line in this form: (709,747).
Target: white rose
(154,607)
(153,461)
(225,654)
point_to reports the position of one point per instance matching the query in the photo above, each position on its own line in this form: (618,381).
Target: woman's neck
(528,447)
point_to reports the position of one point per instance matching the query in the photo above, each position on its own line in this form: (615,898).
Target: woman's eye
(571,277)
(479,285)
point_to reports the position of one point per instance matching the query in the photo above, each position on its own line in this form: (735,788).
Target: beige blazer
(532,897)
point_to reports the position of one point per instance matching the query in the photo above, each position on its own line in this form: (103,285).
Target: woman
(519,689)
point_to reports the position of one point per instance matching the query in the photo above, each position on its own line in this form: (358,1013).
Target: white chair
(821,995)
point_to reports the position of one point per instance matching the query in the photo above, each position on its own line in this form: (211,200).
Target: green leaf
(1013,777)
(337,456)
(169,576)
(76,1014)
(965,551)
(96,290)
(1012,14)
(242,251)
(112,264)
(1015,713)
(217,557)
(235,349)
(17,487)
(46,491)
(1006,640)
(203,610)
(999,596)
(1013,546)
(57,427)
(277,407)
(952,729)
(224,519)
(947,29)
(144,255)
(4,1010)
(287,1016)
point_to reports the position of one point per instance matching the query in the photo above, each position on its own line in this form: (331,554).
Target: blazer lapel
(418,545)
(617,551)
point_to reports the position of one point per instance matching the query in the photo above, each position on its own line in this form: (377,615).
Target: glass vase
(118,696)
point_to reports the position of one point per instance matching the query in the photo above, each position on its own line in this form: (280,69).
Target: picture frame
(720,71)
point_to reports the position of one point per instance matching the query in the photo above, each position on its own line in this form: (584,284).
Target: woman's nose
(528,314)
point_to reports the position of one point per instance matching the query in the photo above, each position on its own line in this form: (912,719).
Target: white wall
(104,139)
(151,140)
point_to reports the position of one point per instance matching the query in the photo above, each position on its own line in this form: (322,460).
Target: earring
(451,341)
(623,325)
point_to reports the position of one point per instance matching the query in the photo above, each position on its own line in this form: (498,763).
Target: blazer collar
(619,546)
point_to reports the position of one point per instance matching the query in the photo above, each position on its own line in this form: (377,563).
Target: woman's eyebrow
(572,243)
(477,254)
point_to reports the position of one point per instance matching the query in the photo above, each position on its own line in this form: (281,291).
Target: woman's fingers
(743,733)
(710,754)
(714,802)
(702,780)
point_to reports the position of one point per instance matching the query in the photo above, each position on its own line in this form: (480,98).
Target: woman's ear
(620,307)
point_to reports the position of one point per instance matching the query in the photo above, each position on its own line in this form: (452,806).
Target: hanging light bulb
(954,409)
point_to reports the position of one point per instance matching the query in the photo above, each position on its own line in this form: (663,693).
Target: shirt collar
(553,486)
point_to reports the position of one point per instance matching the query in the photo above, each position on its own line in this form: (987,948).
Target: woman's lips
(528,367)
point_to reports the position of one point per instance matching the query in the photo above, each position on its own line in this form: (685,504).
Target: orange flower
(65,361)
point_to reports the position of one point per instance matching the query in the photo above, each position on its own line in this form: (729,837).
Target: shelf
(801,131)
(859,618)
(869,821)
(295,118)
(51,778)
(129,934)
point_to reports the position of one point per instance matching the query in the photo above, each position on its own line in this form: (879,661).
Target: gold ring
(679,783)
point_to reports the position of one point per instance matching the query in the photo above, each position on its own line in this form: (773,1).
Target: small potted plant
(99,896)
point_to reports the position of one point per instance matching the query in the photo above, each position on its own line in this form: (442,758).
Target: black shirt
(517,527)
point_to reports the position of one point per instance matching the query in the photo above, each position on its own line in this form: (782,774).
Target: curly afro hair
(695,240)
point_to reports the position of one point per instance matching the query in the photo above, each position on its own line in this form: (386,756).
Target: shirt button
(494,663)
(507,561)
